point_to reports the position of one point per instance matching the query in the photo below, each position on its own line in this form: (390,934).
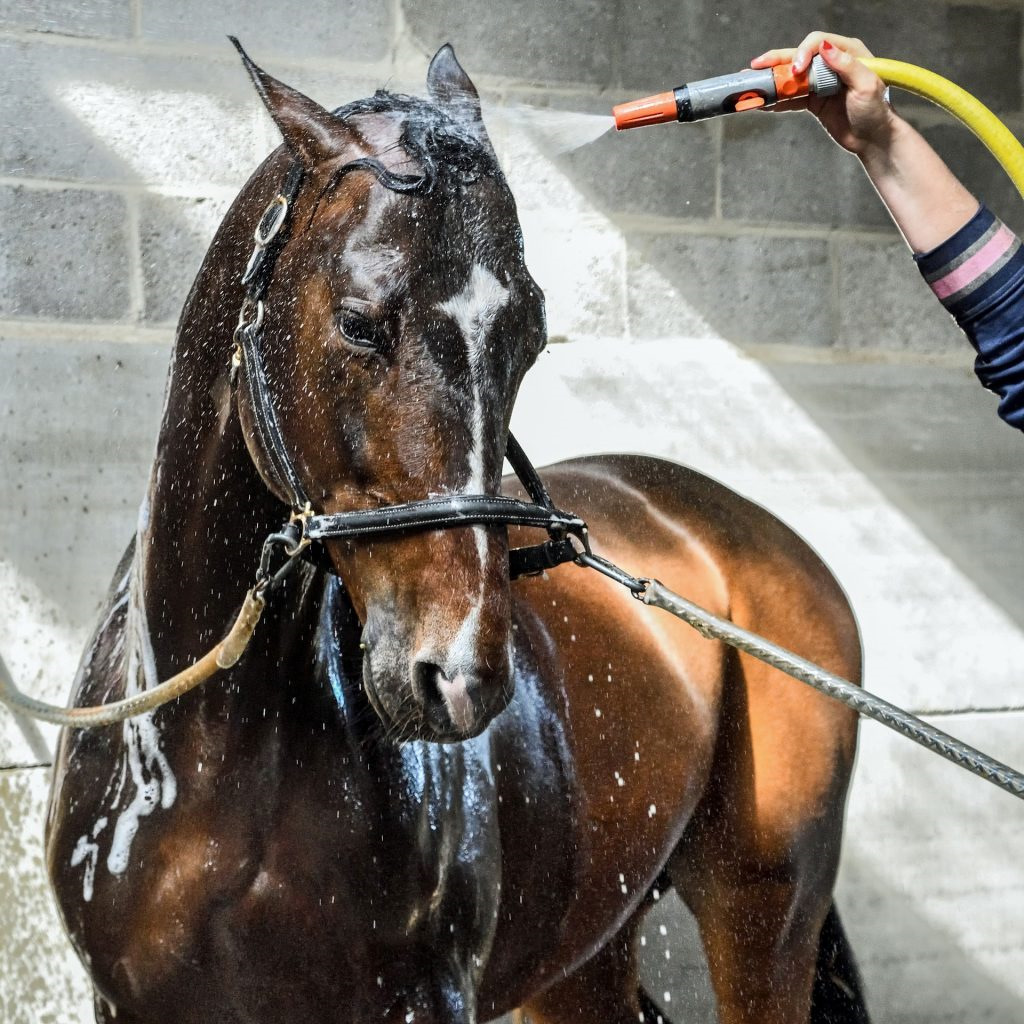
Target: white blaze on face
(475,309)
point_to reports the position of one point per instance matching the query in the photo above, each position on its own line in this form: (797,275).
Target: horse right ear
(450,87)
(312,133)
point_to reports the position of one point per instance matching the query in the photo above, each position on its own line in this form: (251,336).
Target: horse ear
(312,133)
(450,87)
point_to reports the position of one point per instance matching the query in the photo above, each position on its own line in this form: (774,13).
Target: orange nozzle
(650,110)
(788,85)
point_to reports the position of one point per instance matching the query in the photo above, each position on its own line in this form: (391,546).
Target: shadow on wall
(839,315)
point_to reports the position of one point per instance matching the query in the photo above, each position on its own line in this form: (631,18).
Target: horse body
(291,843)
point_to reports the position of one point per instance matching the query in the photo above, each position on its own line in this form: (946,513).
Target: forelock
(449,152)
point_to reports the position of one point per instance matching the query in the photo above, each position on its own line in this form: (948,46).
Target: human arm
(923,196)
(972,262)
(978,275)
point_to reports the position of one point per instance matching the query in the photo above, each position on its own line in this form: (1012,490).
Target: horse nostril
(424,681)
(459,700)
(450,699)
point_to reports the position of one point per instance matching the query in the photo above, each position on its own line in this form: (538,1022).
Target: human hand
(858,117)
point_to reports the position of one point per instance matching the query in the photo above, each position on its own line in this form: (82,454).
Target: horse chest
(362,875)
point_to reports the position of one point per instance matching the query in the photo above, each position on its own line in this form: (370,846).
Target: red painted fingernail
(826,45)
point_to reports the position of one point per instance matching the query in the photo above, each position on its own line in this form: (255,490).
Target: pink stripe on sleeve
(988,254)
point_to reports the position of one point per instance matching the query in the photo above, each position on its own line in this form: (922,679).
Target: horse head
(399,320)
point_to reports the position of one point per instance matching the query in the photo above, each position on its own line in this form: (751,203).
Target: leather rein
(305,531)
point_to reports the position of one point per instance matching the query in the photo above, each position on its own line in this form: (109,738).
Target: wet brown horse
(291,843)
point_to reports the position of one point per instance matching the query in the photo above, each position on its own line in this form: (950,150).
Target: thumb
(853,74)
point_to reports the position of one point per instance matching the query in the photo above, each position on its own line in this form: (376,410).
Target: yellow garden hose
(1000,141)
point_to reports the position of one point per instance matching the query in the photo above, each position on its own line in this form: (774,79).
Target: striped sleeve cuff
(972,268)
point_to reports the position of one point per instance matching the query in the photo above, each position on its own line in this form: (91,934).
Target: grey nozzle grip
(823,80)
(712,96)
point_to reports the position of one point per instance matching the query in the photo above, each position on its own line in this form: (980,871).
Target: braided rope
(224,655)
(863,702)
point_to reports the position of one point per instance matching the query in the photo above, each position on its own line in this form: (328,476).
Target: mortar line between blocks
(718,146)
(122,187)
(398,31)
(836,297)
(44,332)
(131,46)
(380,69)
(31,766)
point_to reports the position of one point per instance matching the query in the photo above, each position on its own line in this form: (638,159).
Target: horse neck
(207,510)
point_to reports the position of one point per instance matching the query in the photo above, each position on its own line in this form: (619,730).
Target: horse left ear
(450,87)
(312,133)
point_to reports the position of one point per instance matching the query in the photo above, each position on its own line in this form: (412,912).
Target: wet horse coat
(427,794)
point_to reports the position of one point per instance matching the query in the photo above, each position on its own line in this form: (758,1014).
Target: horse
(427,792)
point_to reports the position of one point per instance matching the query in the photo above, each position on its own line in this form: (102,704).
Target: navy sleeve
(978,275)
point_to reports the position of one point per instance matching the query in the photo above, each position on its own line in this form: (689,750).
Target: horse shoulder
(783,750)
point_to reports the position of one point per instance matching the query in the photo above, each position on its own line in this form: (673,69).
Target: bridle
(305,531)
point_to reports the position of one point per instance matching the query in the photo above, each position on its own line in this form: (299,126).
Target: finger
(772,57)
(853,74)
(814,41)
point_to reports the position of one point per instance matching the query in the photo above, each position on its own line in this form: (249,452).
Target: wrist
(878,152)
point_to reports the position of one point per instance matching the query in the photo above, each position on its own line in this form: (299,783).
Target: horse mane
(449,153)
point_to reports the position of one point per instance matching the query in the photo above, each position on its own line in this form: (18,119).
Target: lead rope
(711,626)
(224,655)
(649,591)
(221,656)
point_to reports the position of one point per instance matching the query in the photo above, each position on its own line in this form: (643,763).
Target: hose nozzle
(745,90)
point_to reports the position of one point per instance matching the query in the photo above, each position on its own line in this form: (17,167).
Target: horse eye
(358,330)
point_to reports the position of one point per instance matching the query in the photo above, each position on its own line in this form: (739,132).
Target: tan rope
(224,655)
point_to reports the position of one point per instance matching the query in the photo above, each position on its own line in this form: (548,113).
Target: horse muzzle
(432,700)
(460,706)
(440,672)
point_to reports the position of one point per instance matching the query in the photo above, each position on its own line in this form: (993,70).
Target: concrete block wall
(127,128)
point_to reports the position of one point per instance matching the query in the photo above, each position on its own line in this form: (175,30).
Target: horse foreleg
(758,860)
(761,942)
(605,989)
